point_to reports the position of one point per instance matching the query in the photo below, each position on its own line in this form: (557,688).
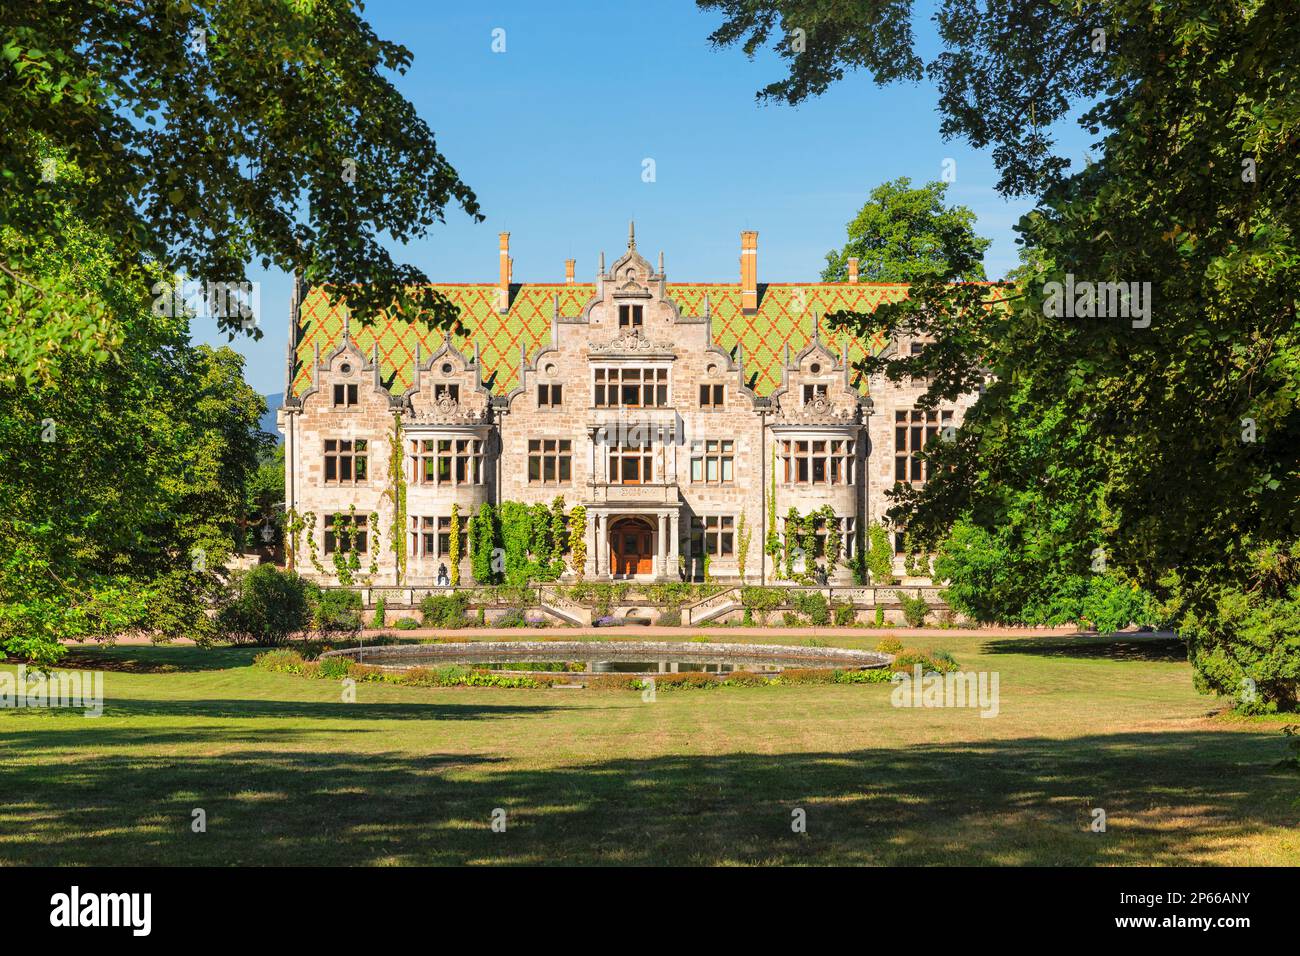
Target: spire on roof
(415,375)
(600,271)
(661,262)
(708,309)
(631,234)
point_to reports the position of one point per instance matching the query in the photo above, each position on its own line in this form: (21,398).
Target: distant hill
(273,402)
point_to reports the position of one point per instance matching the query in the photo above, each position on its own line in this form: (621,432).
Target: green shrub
(877,675)
(915,609)
(791,619)
(514,617)
(880,616)
(889,645)
(845,615)
(281,662)
(265,605)
(938,662)
(337,611)
(812,605)
(333,668)
(745,679)
(406,624)
(807,675)
(378,620)
(444,610)
(761,601)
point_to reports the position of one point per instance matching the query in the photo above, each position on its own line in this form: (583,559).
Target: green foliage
(1244,641)
(396,493)
(377,621)
(744,535)
(880,555)
(454,552)
(1168,436)
(265,606)
(915,609)
(903,234)
(889,645)
(444,610)
(812,605)
(406,624)
(578,540)
(1020,572)
(126,475)
(117,94)
(936,662)
(482,539)
(335,611)
(845,614)
(761,601)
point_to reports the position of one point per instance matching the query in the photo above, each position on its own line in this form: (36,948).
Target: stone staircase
(557,605)
(711,607)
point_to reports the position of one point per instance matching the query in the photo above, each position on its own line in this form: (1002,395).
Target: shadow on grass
(1119,647)
(1170,798)
(156,659)
(255,708)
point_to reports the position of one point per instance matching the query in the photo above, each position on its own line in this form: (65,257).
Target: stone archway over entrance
(631,547)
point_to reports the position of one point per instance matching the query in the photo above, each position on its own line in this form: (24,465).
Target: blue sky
(552,135)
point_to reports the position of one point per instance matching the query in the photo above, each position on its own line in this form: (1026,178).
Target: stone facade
(631,410)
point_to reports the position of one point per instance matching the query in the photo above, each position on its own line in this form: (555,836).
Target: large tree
(1187,389)
(210,134)
(124,476)
(903,233)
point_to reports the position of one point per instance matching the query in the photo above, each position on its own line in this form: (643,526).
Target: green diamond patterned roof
(785,316)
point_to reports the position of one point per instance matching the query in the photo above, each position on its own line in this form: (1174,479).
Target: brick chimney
(749,272)
(853,269)
(503,283)
(569,266)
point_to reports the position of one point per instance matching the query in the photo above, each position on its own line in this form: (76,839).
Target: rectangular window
(447,391)
(447,461)
(630,316)
(711,396)
(431,537)
(550,396)
(550,461)
(913,429)
(345,395)
(714,535)
(348,534)
(811,392)
(713,461)
(345,461)
(630,387)
(821,462)
(631,464)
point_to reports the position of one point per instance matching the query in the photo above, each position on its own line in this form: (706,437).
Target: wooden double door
(631,547)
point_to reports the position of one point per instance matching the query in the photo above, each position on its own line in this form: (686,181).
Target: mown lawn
(289,774)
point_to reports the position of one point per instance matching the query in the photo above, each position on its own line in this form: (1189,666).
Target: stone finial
(415,374)
(661,262)
(631,234)
(786,358)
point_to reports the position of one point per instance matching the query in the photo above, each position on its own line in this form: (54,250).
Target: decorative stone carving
(631,341)
(447,411)
(818,411)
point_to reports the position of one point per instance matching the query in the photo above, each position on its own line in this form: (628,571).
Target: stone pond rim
(412,655)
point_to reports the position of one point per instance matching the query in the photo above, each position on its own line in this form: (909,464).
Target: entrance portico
(638,544)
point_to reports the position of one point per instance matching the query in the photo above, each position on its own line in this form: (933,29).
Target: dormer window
(813,392)
(450,392)
(630,316)
(345,395)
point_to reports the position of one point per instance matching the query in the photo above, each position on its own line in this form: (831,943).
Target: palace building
(667,410)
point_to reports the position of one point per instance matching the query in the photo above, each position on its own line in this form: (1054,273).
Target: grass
(289,774)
